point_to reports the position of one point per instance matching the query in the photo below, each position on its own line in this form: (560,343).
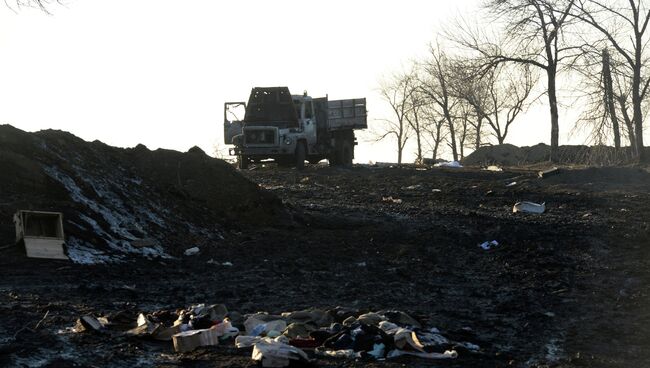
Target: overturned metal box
(42,233)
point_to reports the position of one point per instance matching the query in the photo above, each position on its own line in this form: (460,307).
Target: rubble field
(565,288)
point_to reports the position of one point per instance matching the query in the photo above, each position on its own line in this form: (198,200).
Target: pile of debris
(292,337)
(119,203)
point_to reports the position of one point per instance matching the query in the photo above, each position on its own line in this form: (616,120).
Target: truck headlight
(287,141)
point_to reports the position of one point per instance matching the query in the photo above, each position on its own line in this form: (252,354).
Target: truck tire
(333,160)
(242,162)
(347,153)
(301,156)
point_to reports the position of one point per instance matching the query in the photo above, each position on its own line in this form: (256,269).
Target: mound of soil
(510,155)
(118,202)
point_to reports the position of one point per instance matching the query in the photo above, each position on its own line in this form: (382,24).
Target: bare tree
(414,116)
(625,30)
(434,129)
(533,36)
(600,86)
(435,84)
(497,96)
(397,91)
(39,4)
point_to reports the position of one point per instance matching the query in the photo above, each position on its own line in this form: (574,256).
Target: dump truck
(291,129)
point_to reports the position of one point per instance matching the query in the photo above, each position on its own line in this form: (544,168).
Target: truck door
(233,113)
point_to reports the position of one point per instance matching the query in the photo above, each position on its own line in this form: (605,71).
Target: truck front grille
(260,136)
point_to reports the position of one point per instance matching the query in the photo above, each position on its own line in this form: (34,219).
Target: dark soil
(567,288)
(510,155)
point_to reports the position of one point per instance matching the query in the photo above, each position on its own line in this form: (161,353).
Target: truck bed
(347,114)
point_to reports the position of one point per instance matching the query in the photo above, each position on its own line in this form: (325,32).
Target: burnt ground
(566,288)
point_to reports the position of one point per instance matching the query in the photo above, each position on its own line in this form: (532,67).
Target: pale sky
(158,72)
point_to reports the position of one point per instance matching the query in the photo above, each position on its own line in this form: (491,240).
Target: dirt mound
(121,202)
(509,155)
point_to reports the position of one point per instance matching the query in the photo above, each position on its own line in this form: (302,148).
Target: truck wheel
(333,160)
(301,156)
(242,162)
(346,153)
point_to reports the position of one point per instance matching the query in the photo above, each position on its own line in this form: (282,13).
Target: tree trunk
(477,142)
(636,101)
(400,147)
(418,136)
(555,125)
(609,98)
(399,153)
(452,135)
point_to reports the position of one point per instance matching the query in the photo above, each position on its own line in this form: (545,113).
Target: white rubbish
(469,346)
(361,264)
(391,200)
(227,264)
(190,340)
(243,341)
(256,327)
(426,339)
(42,233)
(489,244)
(276,354)
(413,187)
(142,319)
(448,354)
(388,327)
(511,184)
(529,207)
(455,164)
(225,329)
(436,190)
(377,351)
(192,251)
(493,168)
(345,353)
(404,338)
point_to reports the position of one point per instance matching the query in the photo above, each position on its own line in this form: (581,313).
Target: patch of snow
(81,253)
(116,218)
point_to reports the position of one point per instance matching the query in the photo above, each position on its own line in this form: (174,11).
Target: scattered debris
(511,184)
(190,340)
(436,190)
(454,164)
(493,168)
(278,340)
(88,323)
(489,244)
(549,172)
(42,233)
(529,207)
(391,200)
(277,354)
(413,187)
(192,251)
